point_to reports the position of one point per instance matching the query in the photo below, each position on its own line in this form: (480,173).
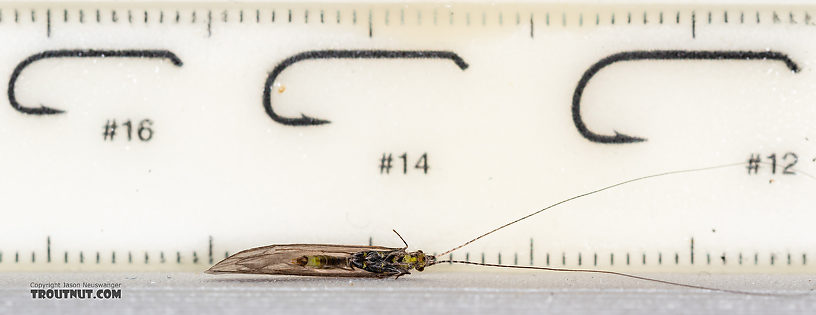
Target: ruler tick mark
(531,251)
(209,23)
(48,22)
(691,251)
(210,250)
(693,24)
(370,25)
(532,27)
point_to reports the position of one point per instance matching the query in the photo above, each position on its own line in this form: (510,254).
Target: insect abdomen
(322,261)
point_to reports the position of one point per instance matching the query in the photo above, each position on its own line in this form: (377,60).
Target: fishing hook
(78,53)
(658,55)
(343,54)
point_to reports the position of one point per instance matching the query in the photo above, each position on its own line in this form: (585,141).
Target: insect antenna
(403,240)
(628,276)
(587,194)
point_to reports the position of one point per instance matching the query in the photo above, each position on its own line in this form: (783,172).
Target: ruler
(167,136)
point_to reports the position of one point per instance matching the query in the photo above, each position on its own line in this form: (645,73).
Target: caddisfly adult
(382,262)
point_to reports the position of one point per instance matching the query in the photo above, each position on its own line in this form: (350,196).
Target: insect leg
(402,273)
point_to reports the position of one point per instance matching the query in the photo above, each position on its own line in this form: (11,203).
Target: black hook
(45,110)
(344,54)
(658,55)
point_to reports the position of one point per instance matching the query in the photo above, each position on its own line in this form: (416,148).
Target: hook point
(624,138)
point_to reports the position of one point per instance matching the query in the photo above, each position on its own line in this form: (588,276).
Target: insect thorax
(396,262)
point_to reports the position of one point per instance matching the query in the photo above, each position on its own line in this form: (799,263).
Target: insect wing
(280,260)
